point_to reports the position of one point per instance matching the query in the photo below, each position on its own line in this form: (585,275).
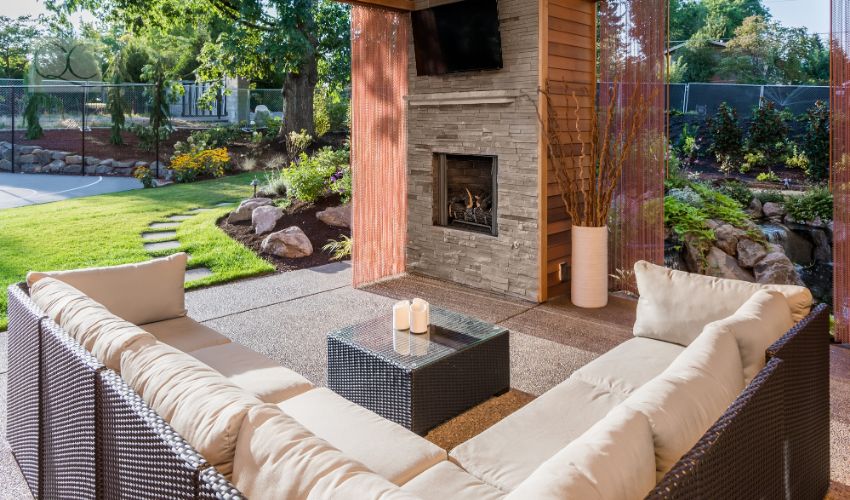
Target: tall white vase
(589,275)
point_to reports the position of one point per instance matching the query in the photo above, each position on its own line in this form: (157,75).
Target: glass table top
(449,333)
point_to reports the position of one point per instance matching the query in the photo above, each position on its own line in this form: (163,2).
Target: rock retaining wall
(36,159)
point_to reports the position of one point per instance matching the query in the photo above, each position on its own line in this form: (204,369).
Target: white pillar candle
(401,342)
(427,308)
(418,318)
(401,315)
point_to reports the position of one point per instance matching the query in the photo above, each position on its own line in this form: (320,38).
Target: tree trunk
(298,90)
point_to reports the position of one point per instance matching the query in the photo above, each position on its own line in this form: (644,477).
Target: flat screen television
(457,37)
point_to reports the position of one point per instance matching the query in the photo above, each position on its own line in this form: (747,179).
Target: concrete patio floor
(286,317)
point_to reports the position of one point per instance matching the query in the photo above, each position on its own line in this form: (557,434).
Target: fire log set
(469,207)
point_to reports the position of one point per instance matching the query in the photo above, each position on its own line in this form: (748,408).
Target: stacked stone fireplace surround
(488,113)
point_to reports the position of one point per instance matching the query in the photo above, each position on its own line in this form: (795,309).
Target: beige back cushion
(139,293)
(687,398)
(202,406)
(613,459)
(675,306)
(278,458)
(757,324)
(104,334)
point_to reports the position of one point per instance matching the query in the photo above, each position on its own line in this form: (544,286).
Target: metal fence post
(13,128)
(687,96)
(83,128)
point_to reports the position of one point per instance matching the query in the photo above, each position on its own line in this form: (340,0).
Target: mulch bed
(298,214)
(711,170)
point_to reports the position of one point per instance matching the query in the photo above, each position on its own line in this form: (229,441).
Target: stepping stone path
(160,230)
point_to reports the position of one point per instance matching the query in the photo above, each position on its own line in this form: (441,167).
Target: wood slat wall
(568,56)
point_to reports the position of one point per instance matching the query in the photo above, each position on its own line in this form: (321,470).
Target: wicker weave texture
(22,409)
(68,374)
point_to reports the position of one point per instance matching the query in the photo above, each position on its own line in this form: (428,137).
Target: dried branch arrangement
(588,164)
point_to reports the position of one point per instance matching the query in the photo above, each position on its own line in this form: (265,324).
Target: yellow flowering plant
(189,166)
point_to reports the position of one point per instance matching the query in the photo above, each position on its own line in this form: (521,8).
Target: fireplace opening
(465,192)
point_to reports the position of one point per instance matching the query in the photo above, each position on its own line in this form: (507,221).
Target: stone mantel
(464,98)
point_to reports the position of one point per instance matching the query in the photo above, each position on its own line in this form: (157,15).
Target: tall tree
(686,18)
(724,16)
(16,40)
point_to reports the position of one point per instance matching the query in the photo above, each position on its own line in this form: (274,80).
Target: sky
(811,14)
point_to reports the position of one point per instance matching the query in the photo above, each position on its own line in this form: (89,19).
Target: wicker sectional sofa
(114,392)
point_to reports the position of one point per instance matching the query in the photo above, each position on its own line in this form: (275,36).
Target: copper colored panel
(632,65)
(379,57)
(840,163)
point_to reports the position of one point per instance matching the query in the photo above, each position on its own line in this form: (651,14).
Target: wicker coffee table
(420,381)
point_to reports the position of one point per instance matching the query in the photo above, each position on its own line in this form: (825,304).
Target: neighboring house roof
(717,43)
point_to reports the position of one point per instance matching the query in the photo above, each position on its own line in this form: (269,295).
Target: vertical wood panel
(379,59)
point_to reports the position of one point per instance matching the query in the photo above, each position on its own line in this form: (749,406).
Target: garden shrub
(341,183)
(727,136)
(815,203)
(797,159)
(738,191)
(721,207)
(686,220)
(753,160)
(216,137)
(330,112)
(816,141)
(35,101)
(297,143)
(687,196)
(147,135)
(188,167)
(145,176)
(309,178)
(687,144)
(768,132)
(768,177)
(770,196)
(339,249)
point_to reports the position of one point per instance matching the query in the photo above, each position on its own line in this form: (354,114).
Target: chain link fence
(705,98)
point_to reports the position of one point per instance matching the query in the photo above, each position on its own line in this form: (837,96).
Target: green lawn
(106,230)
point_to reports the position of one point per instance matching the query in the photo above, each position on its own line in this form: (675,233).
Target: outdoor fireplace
(465,194)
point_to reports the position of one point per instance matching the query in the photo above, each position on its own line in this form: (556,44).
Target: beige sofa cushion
(383,446)
(139,293)
(104,334)
(508,452)
(614,459)
(202,406)
(675,306)
(253,372)
(446,481)
(185,334)
(278,458)
(760,322)
(690,395)
(629,365)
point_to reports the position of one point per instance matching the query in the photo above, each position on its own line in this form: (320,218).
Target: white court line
(99,180)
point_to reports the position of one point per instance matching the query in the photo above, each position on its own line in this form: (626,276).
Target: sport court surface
(18,190)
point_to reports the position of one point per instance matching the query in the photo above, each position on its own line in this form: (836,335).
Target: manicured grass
(106,230)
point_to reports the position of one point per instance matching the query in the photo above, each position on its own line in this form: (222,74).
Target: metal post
(13,128)
(156,148)
(218,105)
(83,129)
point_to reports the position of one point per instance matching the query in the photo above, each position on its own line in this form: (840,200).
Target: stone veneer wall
(507,263)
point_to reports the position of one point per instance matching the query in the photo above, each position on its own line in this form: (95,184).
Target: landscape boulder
(773,211)
(73,159)
(336,216)
(750,253)
(727,239)
(723,265)
(777,269)
(264,218)
(5,165)
(55,166)
(245,211)
(755,209)
(291,243)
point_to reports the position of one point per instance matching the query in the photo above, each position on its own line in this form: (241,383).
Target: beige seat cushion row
(139,293)
(185,334)
(102,333)
(504,455)
(253,372)
(630,365)
(757,324)
(202,406)
(446,481)
(675,306)
(381,445)
(614,459)
(279,459)
(684,401)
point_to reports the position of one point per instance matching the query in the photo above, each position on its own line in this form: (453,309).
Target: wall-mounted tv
(456,37)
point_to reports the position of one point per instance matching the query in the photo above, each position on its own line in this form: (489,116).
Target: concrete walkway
(18,190)
(287,316)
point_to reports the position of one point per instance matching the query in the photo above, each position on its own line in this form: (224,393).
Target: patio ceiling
(389,4)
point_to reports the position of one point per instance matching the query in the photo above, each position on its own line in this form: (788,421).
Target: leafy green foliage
(32,109)
(738,191)
(816,141)
(770,196)
(16,38)
(721,207)
(341,183)
(813,204)
(331,112)
(769,176)
(147,135)
(215,137)
(298,142)
(754,160)
(726,135)
(309,178)
(686,220)
(339,249)
(797,159)
(767,132)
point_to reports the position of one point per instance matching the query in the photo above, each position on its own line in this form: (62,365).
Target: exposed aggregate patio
(286,317)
